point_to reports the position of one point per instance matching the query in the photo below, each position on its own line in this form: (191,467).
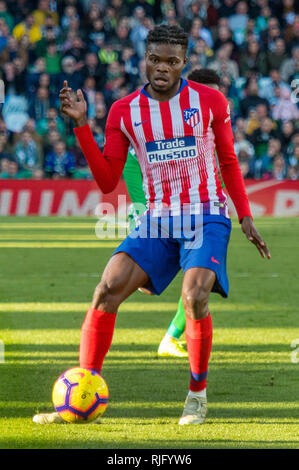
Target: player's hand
(254,237)
(73,105)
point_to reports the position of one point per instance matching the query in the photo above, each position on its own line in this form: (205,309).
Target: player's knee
(196,300)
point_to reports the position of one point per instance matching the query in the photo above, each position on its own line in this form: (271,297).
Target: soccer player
(166,122)
(171,344)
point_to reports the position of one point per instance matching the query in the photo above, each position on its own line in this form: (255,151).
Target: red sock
(96,337)
(199,344)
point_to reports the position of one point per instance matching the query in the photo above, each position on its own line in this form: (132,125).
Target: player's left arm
(231,172)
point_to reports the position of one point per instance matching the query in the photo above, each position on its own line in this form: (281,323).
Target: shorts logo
(167,150)
(214,260)
(191,116)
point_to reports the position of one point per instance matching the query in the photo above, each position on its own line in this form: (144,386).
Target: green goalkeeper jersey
(133,178)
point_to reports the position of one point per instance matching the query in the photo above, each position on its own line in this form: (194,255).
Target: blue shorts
(163,255)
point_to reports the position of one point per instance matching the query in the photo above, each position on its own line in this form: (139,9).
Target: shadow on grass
(152,347)
(126,443)
(62,320)
(157,388)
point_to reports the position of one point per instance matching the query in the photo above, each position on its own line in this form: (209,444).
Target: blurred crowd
(99,46)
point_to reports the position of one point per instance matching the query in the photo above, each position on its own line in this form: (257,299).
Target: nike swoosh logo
(214,260)
(136,124)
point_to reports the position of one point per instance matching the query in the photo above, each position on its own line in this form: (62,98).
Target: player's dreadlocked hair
(164,34)
(205,76)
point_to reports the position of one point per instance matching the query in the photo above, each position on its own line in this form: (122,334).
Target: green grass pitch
(49,268)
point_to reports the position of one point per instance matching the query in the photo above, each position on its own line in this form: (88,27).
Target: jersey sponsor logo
(167,150)
(191,116)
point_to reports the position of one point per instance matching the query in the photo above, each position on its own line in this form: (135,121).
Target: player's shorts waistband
(204,208)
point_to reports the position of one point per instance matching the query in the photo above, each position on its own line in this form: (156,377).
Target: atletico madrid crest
(191,116)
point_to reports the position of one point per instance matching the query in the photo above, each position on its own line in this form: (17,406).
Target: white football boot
(54,418)
(195,410)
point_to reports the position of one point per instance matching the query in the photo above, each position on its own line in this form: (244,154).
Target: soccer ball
(80,395)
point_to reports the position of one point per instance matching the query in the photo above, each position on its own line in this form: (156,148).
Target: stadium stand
(98,45)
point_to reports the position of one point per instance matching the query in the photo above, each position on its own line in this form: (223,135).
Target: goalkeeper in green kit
(170,344)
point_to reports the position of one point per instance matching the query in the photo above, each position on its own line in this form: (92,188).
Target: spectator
(4,153)
(5,14)
(101,115)
(242,144)
(14,77)
(4,166)
(77,50)
(224,36)
(264,164)
(279,171)
(107,54)
(252,98)
(261,21)
(238,20)
(40,104)
(293,173)
(203,52)
(139,34)
(260,137)
(199,31)
(93,68)
(268,85)
(59,163)
(28,27)
(261,111)
(15,112)
(277,55)
(70,13)
(28,154)
(287,133)
(291,65)
(285,109)
(253,60)
(292,32)
(50,122)
(226,8)
(10,170)
(252,122)
(30,127)
(272,32)
(50,35)
(121,38)
(50,139)
(42,12)
(69,73)
(99,46)
(223,64)
(4,34)
(130,62)
(90,91)
(52,59)
(244,162)
(291,150)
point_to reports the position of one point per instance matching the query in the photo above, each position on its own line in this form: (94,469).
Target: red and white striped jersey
(174,144)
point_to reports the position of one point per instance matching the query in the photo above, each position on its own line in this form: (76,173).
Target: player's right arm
(106,167)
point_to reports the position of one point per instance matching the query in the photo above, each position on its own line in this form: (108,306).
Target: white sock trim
(202,393)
